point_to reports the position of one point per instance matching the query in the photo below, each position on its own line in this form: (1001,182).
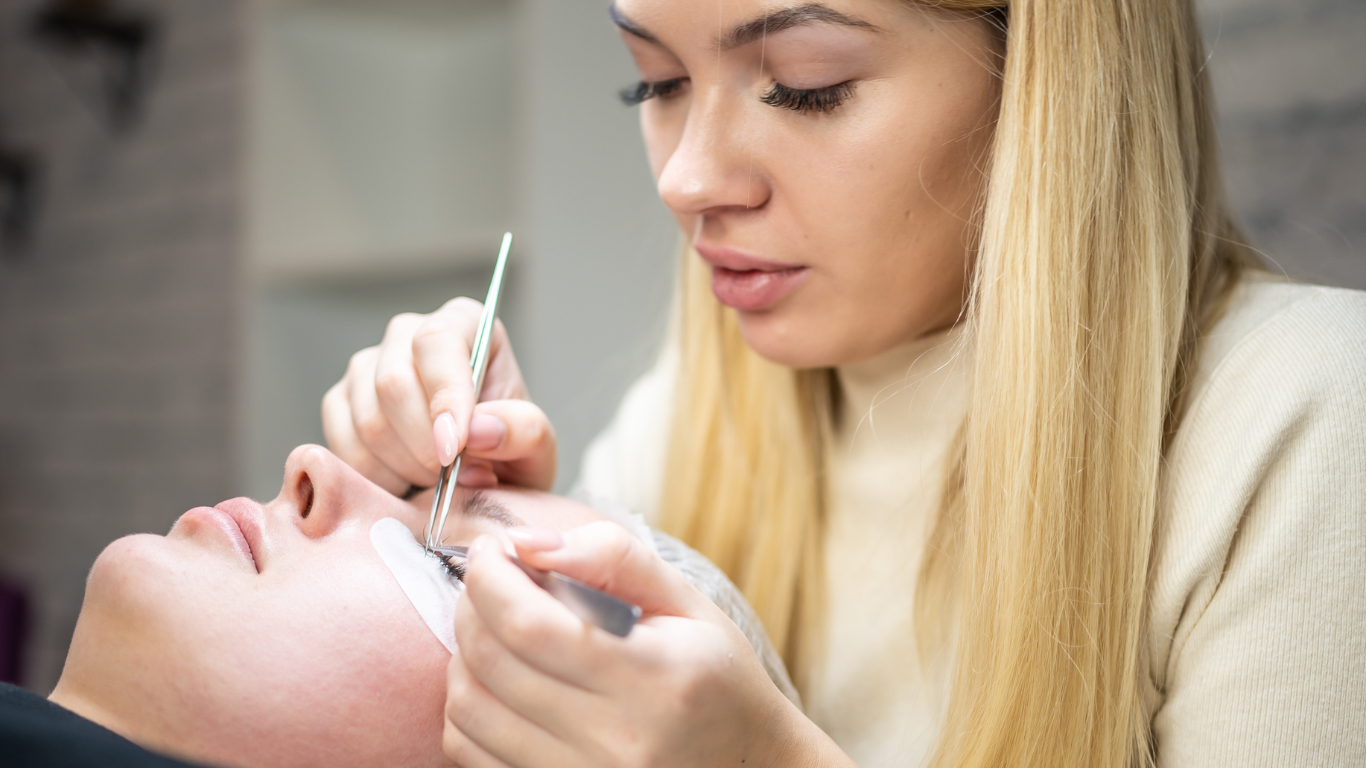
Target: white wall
(600,247)
(380,178)
(379,136)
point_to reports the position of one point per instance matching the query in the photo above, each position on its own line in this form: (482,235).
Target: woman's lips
(746,282)
(239,520)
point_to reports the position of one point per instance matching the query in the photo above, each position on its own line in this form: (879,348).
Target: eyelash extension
(455,568)
(643,91)
(820,100)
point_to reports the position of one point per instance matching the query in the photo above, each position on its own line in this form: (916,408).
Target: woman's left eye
(819,100)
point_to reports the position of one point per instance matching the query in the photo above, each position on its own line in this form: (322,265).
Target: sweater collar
(906,379)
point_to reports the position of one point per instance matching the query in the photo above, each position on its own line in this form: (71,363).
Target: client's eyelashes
(643,91)
(454,568)
(819,100)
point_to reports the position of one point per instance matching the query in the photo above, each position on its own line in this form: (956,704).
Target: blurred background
(207,205)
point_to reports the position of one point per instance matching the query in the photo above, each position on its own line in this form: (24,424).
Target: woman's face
(275,635)
(826,159)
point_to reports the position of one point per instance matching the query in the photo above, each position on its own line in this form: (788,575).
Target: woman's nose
(715,166)
(319,491)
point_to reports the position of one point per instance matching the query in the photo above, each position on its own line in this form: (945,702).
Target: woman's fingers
(481,730)
(341,436)
(517,437)
(403,409)
(607,556)
(400,395)
(504,380)
(684,688)
(528,622)
(463,752)
(476,473)
(373,427)
(441,354)
(530,692)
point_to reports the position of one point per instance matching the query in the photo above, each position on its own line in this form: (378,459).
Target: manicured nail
(479,543)
(444,433)
(486,432)
(536,539)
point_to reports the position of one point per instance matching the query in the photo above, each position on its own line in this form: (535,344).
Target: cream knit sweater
(1257,617)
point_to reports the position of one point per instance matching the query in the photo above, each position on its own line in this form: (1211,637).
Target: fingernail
(443,431)
(486,432)
(479,543)
(536,539)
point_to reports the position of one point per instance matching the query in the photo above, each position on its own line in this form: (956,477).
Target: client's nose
(319,490)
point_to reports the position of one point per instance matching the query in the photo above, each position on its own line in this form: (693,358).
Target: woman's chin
(126,571)
(780,336)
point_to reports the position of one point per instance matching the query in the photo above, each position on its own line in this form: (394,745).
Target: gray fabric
(710,581)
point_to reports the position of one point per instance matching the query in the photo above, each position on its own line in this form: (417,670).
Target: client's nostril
(305,493)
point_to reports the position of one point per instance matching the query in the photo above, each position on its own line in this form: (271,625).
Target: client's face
(275,635)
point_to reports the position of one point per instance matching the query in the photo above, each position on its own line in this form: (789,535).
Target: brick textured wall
(117,326)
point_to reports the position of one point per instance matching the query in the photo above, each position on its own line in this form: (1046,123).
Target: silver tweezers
(479,363)
(592,605)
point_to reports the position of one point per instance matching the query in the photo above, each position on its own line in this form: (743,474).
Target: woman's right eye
(644,91)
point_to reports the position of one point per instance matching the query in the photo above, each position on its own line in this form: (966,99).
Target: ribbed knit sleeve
(1258,615)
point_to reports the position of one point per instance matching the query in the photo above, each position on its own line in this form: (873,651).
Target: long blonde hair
(1106,247)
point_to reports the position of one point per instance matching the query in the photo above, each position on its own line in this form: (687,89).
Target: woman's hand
(532,685)
(405,408)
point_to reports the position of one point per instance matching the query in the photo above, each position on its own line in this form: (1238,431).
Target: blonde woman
(976,392)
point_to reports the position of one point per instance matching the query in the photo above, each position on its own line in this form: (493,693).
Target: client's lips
(749,283)
(249,518)
(240,521)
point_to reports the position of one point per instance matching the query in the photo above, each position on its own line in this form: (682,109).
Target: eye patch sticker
(431,589)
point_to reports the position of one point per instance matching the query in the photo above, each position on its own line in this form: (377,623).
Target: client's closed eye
(479,505)
(455,567)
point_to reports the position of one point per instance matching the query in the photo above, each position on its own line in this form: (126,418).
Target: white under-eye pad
(429,587)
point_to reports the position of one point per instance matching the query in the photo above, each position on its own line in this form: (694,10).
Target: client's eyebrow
(480,505)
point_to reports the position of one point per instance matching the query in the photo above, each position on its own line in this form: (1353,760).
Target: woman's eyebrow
(479,505)
(751,31)
(627,25)
(787,18)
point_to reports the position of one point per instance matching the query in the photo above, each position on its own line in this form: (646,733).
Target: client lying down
(312,630)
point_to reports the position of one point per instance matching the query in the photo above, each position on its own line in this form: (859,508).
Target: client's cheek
(339,648)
